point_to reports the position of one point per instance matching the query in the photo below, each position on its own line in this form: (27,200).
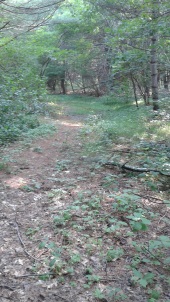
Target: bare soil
(41,180)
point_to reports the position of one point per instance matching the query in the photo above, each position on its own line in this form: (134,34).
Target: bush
(15,119)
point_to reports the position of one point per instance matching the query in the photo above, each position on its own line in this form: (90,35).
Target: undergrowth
(109,118)
(18,118)
(96,232)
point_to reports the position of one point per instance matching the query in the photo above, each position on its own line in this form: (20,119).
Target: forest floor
(61,237)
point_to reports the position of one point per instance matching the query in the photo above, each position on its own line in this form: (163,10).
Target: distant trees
(95,46)
(115,46)
(20,23)
(136,32)
(22,90)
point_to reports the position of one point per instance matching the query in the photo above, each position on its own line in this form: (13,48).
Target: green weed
(4,167)
(114,253)
(42,130)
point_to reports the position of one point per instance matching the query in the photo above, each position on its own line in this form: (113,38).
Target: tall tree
(135,31)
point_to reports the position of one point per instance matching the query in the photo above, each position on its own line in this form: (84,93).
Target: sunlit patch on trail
(16,182)
(65,123)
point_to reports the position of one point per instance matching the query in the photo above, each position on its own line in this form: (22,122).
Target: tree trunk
(83,83)
(154,68)
(134,91)
(44,66)
(154,73)
(63,86)
(71,83)
(142,93)
(147,93)
(165,80)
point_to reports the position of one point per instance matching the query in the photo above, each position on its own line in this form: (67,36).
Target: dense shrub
(17,117)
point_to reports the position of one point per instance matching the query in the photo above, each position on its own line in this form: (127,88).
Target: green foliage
(22,91)
(56,266)
(114,253)
(30,232)
(44,277)
(154,295)
(114,122)
(143,279)
(116,294)
(98,294)
(4,166)
(61,219)
(138,221)
(75,258)
(92,279)
(62,165)
(14,121)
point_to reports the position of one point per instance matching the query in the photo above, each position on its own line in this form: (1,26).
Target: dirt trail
(49,163)
(44,179)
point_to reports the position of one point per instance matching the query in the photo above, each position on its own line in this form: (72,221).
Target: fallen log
(134,169)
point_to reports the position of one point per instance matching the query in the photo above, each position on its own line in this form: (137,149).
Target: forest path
(55,205)
(47,164)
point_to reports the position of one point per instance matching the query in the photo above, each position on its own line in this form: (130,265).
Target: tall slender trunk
(154,68)
(134,90)
(165,80)
(142,92)
(154,73)
(71,82)
(63,86)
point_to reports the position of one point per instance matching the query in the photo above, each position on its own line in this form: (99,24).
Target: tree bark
(154,73)
(154,68)
(63,86)
(165,80)
(134,91)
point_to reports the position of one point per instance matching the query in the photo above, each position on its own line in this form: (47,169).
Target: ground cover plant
(81,228)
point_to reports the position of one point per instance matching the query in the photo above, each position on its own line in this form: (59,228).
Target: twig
(22,243)
(148,251)
(161,219)
(62,298)
(34,275)
(151,197)
(7,287)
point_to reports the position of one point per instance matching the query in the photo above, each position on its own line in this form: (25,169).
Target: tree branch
(133,169)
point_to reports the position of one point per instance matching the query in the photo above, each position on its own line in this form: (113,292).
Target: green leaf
(154,294)
(137,273)
(51,245)
(44,277)
(167,260)
(137,226)
(52,262)
(143,282)
(98,294)
(42,245)
(165,241)
(145,221)
(149,277)
(144,227)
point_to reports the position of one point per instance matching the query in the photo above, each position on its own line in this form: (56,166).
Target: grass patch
(109,118)
(110,122)
(83,105)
